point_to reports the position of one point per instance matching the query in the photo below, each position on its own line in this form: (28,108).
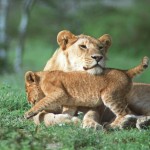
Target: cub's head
(82,52)
(33,90)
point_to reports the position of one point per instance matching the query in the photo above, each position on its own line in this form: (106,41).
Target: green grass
(16,133)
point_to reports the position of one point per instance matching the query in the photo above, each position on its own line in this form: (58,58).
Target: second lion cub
(77,89)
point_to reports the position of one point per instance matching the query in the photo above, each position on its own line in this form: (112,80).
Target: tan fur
(139,100)
(76,89)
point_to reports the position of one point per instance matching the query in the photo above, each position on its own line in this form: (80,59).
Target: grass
(16,133)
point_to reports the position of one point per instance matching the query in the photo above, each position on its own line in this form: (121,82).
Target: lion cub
(75,89)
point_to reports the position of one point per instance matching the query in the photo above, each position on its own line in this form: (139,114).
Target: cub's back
(81,84)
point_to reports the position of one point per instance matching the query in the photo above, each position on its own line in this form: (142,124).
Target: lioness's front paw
(37,119)
(29,114)
(143,122)
(75,120)
(88,123)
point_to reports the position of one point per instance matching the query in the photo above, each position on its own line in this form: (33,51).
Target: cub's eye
(83,46)
(101,47)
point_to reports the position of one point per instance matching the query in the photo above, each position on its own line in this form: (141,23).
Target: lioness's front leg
(66,117)
(91,119)
(51,119)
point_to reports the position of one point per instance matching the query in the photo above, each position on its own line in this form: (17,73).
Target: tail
(138,69)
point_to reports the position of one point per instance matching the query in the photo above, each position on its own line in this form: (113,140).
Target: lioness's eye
(100,47)
(83,46)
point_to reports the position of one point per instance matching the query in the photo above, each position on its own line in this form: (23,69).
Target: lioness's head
(33,90)
(82,52)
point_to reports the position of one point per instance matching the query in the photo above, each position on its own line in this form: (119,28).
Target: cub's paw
(129,121)
(143,122)
(29,114)
(88,123)
(126,122)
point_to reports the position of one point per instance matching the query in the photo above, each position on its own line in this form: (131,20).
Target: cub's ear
(65,39)
(106,40)
(30,77)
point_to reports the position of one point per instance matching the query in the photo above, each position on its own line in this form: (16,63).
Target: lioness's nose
(97,57)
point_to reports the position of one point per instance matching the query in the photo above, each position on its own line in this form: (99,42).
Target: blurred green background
(128,22)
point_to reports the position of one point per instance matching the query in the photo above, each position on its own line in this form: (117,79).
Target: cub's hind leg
(124,116)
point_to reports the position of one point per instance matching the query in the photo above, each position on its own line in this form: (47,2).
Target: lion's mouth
(96,65)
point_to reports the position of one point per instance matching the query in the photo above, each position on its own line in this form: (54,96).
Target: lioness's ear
(30,77)
(106,40)
(66,38)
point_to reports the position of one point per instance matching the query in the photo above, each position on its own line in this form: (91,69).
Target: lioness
(77,53)
(82,89)
(139,99)
(71,57)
